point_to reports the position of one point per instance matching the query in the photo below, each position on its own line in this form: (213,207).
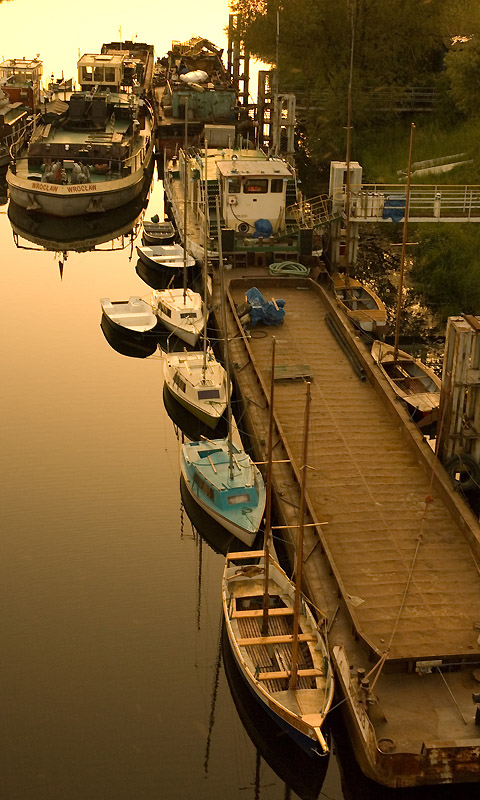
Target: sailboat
(412,381)
(220,476)
(181,311)
(275,638)
(196,379)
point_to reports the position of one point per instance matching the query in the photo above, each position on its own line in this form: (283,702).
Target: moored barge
(391,552)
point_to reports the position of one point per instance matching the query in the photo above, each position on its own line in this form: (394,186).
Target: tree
(446,270)
(463,72)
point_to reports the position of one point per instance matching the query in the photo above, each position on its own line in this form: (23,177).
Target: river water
(114,679)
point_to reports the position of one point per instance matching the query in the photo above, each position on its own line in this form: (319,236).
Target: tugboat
(89,154)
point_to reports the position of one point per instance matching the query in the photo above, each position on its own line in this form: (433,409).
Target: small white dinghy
(133,315)
(198,382)
(181,311)
(165,256)
(156,232)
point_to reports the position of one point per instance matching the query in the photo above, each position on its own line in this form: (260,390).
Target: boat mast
(224,325)
(268,504)
(205,268)
(347,157)
(404,246)
(299,565)
(185,199)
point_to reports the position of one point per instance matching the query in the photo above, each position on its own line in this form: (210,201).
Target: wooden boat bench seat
(285,639)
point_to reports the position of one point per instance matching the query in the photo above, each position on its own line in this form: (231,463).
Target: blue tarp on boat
(267,312)
(394,207)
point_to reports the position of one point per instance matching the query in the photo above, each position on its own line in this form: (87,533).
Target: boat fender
(464,471)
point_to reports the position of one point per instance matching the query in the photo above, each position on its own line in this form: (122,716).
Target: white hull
(76,199)
(202,392)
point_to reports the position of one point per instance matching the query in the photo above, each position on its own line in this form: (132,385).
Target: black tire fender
(464,471)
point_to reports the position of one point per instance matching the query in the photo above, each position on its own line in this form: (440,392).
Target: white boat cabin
(252,188)
(108,71)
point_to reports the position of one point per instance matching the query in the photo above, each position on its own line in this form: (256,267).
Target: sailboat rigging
(274,637)
(360,303)
(412,380)
(196,379)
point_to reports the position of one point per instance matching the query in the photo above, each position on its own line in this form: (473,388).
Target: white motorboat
(134,315)
(166,257)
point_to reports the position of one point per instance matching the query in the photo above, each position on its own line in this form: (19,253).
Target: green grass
(382,152)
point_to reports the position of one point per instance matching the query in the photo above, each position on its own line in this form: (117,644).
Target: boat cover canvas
(267,312)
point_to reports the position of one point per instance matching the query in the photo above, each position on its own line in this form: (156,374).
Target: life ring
(464,472)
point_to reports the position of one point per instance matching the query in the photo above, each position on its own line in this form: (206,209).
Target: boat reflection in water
(119,227)
(159,280)
(78,234)
(301,773)
(127,345)
(3,186)
(192,427)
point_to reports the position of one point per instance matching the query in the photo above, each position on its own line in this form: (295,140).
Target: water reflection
(119,228)
(193,428)
(126,344)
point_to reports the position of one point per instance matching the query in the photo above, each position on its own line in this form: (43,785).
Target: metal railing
(377,202)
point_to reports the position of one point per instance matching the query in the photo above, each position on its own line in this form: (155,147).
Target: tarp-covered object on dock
(394,207)
(268,312)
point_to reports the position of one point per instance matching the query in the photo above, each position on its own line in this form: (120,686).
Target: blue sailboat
(225,482)
(221,477)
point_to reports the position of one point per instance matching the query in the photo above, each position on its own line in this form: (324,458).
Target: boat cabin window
(203,486)
(109,75)
(236,499)
(178,382)
(207,453)
(188,315)
(87,74)
(276,185)
(164,310)
(255,186)
(208,394)
(234,185)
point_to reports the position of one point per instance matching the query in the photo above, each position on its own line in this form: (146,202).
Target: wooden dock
(394,560)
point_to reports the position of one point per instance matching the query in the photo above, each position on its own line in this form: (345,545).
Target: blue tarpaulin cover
(265,311)
(394,207)
(263,229)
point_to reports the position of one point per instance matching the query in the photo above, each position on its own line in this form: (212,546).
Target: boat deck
(399,579)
